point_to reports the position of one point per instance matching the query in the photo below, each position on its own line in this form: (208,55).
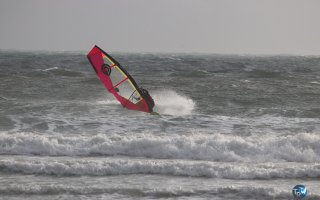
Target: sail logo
(299,192)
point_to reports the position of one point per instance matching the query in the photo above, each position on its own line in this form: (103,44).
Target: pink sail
(118,81)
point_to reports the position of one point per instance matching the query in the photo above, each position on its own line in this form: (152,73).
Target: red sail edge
(132,99)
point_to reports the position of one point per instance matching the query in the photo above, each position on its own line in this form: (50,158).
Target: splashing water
(171,103)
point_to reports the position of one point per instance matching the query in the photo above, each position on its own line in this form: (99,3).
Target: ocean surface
(231,127)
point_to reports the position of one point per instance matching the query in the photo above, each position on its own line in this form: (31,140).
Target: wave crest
(96,166)
(303,147)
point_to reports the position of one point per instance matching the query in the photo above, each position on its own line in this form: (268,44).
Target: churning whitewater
(231,127)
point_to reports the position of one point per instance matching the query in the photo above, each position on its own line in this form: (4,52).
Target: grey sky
(203,26)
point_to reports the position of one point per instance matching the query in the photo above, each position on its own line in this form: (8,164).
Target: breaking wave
(97,166)
(222,192)
(303,147)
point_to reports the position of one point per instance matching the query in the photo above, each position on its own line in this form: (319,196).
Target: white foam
(171,103)
(50,69)
(107,102)
(123,166)
(219,192)
(149,192)
(303,147)
(315,82)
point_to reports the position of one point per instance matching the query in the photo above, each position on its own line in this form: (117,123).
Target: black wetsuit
(145,94)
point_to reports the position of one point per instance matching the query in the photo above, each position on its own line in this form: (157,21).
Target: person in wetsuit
(145,94)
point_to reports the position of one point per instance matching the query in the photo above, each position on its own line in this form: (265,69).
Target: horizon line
(158,52)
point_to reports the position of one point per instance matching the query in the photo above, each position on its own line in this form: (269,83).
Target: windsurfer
(145,94)
(110,73)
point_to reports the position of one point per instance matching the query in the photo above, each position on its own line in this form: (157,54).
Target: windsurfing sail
(119,82)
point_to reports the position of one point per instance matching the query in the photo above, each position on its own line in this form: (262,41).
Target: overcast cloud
(202,26)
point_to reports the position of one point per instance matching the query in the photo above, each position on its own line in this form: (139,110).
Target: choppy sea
(231,127)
